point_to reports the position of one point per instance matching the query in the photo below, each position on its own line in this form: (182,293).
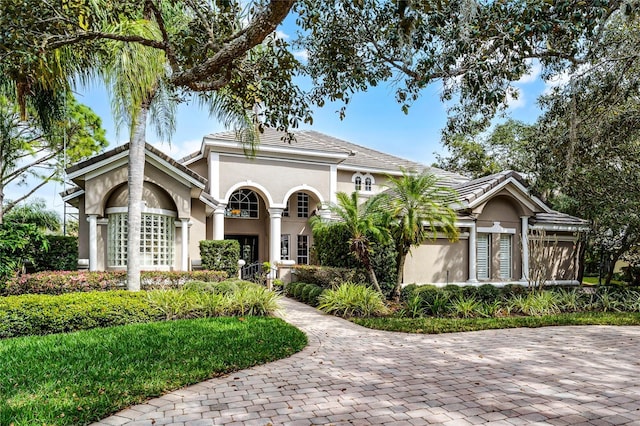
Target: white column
(275,235)
(214,175)
(473,274)
(93,242)
(185,245)
(218,223)
(524,231)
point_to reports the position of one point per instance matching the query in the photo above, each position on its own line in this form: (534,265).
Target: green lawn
(451,325)
(594,281)
(77,378)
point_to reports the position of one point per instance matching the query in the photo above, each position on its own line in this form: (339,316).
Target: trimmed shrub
(407,292)
(61,282)
(45,314)
(62,254)
(220,255)
(352,300)
(314,295)
(327,276)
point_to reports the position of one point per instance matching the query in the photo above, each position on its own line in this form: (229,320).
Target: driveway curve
(352,375)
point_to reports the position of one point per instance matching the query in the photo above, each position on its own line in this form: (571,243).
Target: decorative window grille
(157,233)
(483,256)
(367,184)
(284,247)
(243,204)
(303,249)
(505,256)
(358,183)
(303,204)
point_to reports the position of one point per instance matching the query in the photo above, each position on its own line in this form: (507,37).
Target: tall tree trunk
(401,259)
(374,279)
(136,180)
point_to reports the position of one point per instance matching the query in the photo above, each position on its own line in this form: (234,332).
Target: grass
(77,378)
(594,281)
(451,325)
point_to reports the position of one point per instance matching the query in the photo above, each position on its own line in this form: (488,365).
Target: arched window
(243,204)
(358,182)
(367,184)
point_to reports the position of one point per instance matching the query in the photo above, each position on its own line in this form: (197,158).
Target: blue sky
(373,119)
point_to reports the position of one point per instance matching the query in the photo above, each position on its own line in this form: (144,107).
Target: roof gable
(119,156)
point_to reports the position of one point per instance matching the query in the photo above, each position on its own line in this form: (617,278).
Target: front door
(248,247)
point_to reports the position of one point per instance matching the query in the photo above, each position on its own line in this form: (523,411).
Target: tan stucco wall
(154,197)
(99,189)
(560,254)
(276,176)
(198,230)
(429,263)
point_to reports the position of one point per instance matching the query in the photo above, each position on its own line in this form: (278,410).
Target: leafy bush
(18,244)
(536,303)
(407,292)
(352,300)
(465,307)
(61,282)
(314,295)
(220,255)
(331,249)
(32,314)
(62,254)
(327,276)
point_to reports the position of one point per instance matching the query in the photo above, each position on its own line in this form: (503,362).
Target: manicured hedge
(61,282)
(39,314)
(304,292)
(62,254)
(36,314)
(220,255)
(327,276)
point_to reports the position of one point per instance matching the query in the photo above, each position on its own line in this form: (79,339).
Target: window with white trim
(303,204)
(363,182)
(303,250)
(284,247)
(243,204)
(483,252)
(506,248)
(157,235)
(367,184)
(358,183)
(285,212)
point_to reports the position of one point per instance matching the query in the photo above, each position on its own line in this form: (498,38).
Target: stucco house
(265,203)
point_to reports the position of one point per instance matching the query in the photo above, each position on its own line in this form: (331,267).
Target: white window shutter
(505,256)
(482,256)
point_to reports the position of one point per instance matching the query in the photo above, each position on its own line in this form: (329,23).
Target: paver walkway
(352,375)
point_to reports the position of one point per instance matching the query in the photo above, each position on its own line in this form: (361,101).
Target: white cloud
(178,150)
(302,55)
(533,74)
(282,35)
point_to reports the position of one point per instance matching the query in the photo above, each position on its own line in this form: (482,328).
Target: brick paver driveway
(352,375)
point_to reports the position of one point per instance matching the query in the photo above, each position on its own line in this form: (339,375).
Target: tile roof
(473,189)
(557,218)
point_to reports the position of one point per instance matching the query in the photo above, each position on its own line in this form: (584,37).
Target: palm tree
(366,224)
(419,207)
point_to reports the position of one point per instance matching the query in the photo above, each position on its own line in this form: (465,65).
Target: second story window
(303,204)
(358,183)
(367,184)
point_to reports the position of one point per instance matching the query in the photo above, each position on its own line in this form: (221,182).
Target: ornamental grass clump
(352,300)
